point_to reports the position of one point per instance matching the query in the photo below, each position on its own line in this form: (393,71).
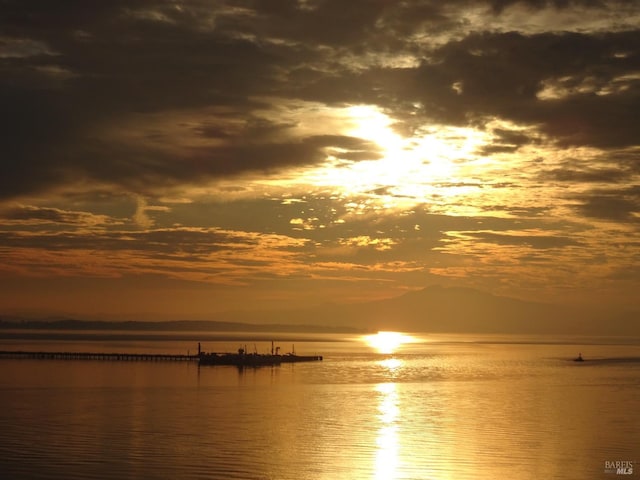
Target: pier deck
(130,357)
(202,358)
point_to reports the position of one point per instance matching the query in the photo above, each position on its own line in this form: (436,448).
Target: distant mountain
(441,309)
(57,323)
(432,309)
(450,309)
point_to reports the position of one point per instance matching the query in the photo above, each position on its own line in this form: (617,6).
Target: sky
(167,159)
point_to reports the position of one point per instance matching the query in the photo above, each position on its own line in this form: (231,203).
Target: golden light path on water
(388,463)
(387,441)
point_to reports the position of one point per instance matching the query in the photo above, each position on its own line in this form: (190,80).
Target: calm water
(446,407)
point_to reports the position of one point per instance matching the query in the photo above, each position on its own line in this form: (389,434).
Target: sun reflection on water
(391,364)
(388,443)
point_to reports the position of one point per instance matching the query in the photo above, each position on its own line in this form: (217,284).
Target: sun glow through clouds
(402,171)
(370,123)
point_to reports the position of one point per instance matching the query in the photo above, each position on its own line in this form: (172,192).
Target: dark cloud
(252,156)
(72,72)
(121,65)
(29,214)
(587,175)
(507,141)
(503,74)
(499,5)
(538,242)
(179,242)
(506,75)
(615,205)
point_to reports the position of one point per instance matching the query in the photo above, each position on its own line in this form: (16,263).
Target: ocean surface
(442,407)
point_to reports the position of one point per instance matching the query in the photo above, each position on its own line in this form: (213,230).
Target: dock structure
(130,357)
(240,359)
(244,359)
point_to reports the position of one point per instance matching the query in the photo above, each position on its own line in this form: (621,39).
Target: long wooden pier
(129,357)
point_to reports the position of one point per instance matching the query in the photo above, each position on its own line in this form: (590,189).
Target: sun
(408,166)
(394,168)
(435,148)
(368,122)
(387,342)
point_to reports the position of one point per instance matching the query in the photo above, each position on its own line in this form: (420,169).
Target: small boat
(579,358)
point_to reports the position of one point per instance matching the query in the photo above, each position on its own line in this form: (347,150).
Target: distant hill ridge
(57,323)
(457,309)
(432,309)
(441,309)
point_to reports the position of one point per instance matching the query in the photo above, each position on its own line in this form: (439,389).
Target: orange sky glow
(185,160)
